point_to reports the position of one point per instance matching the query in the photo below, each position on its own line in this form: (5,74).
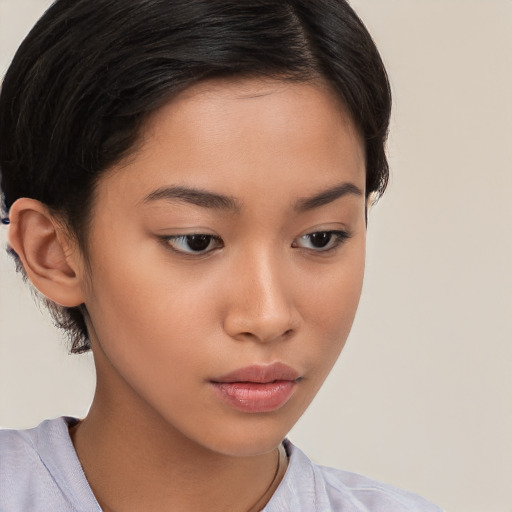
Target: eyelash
(336,239)
(188,238)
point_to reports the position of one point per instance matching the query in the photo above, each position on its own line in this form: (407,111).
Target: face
(226,261)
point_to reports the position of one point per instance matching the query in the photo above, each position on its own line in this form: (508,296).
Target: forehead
(226,135)
(267,104)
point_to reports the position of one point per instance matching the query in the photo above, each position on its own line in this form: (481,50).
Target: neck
(134,461)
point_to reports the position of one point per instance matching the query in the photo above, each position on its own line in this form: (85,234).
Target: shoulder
(19,460)
(371,495)
(39,470)
(313,488)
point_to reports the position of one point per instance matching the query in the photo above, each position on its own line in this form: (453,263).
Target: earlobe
(49,260)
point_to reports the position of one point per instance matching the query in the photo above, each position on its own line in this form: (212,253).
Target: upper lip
(260,374)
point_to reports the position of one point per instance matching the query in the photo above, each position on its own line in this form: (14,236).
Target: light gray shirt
(40,472)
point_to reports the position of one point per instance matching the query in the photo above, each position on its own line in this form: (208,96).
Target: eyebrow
(194,196)
(207,199)
(327,196)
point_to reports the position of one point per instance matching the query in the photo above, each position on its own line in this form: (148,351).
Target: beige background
(422,395)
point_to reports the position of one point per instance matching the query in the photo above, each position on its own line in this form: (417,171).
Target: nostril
(250,335)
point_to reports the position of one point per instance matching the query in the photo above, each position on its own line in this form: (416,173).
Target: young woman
(186,184)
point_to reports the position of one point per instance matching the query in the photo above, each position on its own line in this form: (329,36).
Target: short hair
(90,73)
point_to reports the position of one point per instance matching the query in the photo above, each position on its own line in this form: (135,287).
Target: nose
(261,300)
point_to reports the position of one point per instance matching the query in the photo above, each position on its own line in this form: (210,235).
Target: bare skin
(277,280)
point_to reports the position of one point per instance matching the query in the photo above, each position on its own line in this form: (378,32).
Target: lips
(257,388)
(261,374)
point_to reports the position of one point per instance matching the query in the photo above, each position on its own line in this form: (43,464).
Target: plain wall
(422,396)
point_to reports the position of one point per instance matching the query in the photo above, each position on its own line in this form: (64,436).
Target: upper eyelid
(185,235)
(168,238)
(341,235)
(199,232)
(191,233)
(340,232)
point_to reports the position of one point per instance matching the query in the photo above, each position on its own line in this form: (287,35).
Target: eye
(193,244)
(321,241)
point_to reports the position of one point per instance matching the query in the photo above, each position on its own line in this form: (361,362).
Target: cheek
(138,311)
(136,286)
(150,334)
(330,304)
(148,315)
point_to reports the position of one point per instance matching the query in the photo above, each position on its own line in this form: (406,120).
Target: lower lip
(255,396)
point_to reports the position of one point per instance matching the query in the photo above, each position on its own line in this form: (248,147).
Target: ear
(52,263)
(371,199)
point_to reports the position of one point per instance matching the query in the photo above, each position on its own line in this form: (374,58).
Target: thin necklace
(282,460)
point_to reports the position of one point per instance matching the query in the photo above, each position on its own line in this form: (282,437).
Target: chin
(247,440)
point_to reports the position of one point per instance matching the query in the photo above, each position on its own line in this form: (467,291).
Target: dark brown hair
(91,71)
